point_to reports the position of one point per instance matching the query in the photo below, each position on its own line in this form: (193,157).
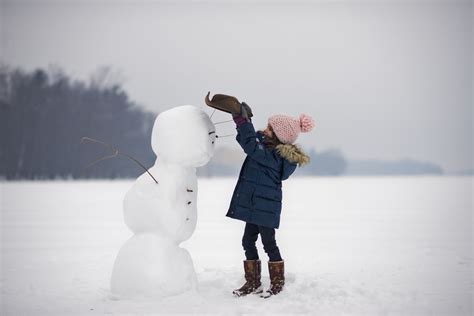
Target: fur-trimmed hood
(293,153)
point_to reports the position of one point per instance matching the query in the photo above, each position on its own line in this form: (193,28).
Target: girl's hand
(246,111)
(244,115)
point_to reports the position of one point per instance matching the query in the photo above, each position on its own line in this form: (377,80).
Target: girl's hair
(272,142)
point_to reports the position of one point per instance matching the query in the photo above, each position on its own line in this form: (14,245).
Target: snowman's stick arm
(223,122)
(116,152)
(100,159)
(138,162)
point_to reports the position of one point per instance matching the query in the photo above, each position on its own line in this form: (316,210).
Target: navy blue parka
(257,196)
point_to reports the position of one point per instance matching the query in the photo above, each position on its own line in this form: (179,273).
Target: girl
(271,158)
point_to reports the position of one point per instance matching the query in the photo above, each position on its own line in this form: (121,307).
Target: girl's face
(268,132)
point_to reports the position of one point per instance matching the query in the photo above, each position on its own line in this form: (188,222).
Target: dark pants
(268,239)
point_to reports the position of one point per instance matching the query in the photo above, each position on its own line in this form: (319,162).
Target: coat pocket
(267,200)
(268,193)
(244,197)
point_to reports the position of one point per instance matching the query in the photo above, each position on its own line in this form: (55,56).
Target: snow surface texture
(151,263)
(352,246)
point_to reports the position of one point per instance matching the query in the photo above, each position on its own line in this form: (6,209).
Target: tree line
(329,162)
(45,114)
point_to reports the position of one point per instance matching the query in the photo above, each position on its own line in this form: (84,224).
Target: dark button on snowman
(163,215)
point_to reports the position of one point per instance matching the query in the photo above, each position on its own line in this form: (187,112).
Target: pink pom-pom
(306,123)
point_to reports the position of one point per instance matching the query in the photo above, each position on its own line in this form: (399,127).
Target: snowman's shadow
(221,282)
(304,293)
(300,288)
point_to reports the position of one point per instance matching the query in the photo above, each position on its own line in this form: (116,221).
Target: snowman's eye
(213,139)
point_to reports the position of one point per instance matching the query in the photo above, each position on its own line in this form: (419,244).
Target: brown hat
(224,103)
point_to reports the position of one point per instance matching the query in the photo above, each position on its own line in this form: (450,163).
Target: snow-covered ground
(352,246)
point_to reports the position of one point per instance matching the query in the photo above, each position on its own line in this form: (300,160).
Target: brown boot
(253,271)
(277,278)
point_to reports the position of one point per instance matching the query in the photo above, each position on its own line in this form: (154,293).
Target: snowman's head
(184,135)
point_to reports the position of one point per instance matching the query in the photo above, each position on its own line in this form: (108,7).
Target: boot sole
(269,294)
(258,290)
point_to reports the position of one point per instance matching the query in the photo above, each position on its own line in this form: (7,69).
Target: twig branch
(115,153)
(223,122)
(219,136)
(212,114)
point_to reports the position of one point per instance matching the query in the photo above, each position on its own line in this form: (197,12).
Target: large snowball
(150,266)
(184,135)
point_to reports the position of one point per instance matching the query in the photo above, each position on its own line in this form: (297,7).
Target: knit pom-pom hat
(287,128)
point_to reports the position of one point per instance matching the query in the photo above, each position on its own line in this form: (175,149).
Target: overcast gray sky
(383,79)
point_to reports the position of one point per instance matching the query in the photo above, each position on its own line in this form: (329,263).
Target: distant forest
(45,114)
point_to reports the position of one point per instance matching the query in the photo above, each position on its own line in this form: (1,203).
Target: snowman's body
(177,191)
(163,215)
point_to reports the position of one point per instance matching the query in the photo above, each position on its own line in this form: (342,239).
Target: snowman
(164,214)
